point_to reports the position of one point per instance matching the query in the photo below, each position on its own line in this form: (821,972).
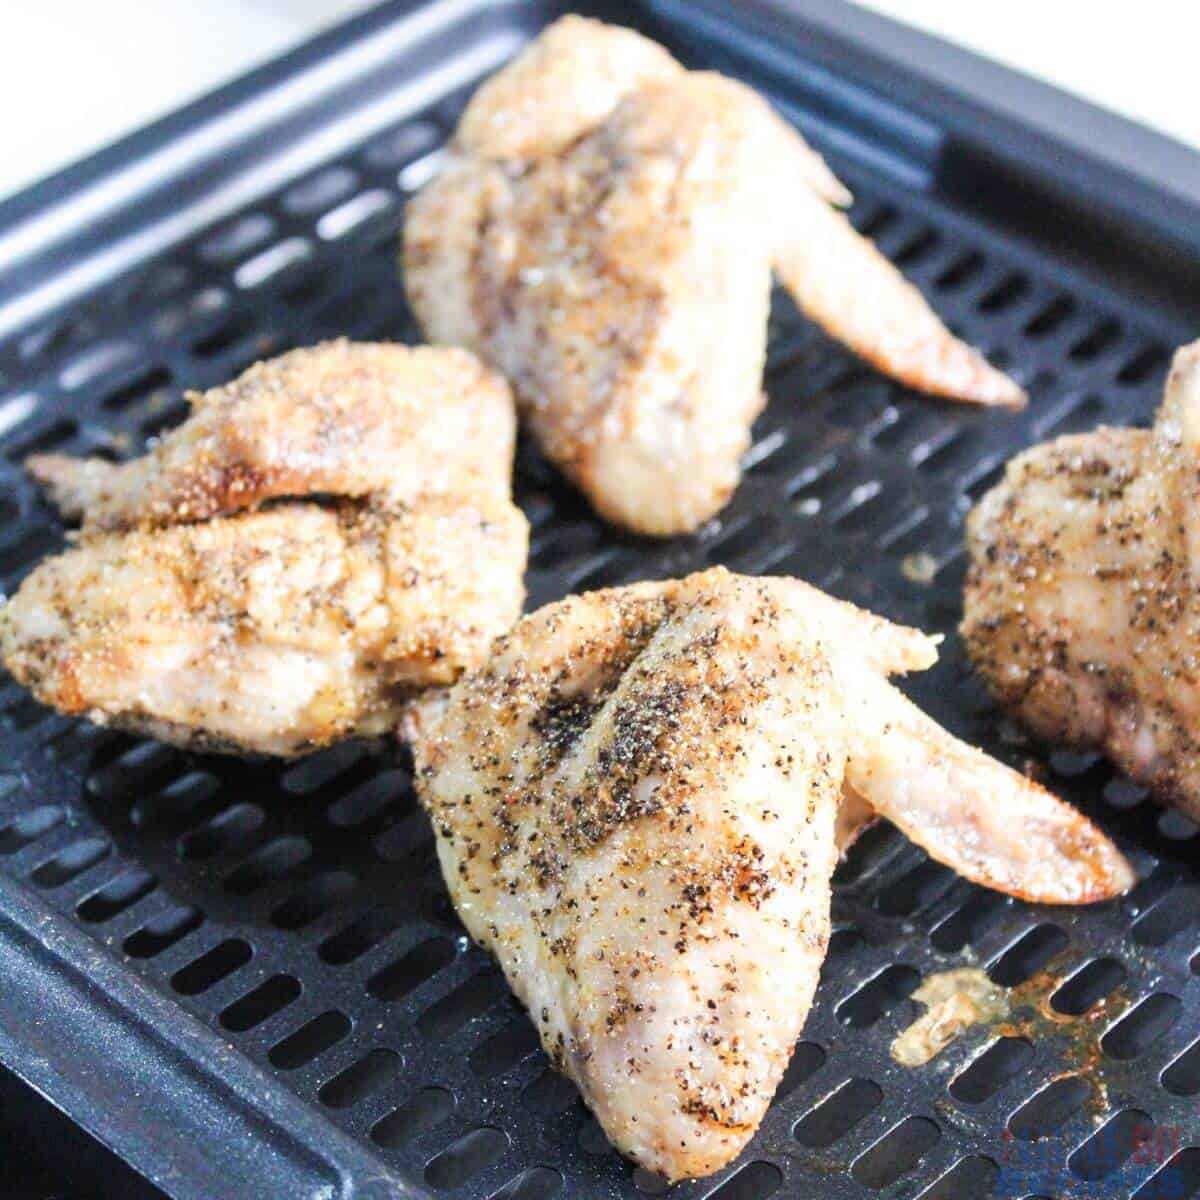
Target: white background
(75,74)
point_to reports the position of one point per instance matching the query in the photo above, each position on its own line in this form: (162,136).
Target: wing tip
(997,390)
(835,191)
(1093,869)
(46,469)
(967,376)
(64,480)
(1077,892)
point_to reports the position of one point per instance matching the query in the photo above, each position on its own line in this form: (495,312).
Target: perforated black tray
(248,981)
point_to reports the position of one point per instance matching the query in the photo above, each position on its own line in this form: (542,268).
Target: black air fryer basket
(248,981)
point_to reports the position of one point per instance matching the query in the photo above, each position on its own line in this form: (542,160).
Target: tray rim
(1134,176)
(1023,119)
(41,953)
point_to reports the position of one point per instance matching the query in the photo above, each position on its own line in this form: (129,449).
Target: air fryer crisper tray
(248,980)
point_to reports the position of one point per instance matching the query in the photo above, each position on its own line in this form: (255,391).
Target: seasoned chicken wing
(604,234)
(291,564)
(387,422)
(636,803)
(1081,601)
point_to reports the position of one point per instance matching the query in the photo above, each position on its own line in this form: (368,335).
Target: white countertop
(1137,59)
(85,72)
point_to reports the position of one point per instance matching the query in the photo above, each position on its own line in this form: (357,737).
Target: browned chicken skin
(636,803)
(346,419)
(1081,601)
(605,234)
(324,536)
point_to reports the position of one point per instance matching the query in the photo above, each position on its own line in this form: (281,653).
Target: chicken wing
(1081,607)
(605,233)
(291,564)
(636,803)
(348,419)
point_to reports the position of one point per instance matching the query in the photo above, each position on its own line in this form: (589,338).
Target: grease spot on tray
(955,1001)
